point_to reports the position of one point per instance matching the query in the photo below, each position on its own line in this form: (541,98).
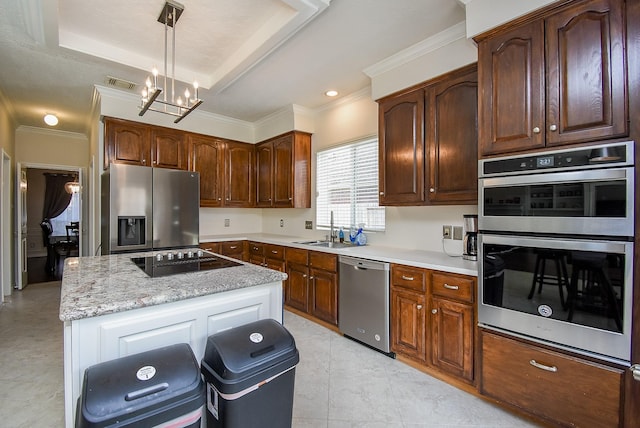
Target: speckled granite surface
(93,286)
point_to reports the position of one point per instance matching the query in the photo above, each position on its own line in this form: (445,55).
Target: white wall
(483,15)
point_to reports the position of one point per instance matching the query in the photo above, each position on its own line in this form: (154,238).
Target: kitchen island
(111,308)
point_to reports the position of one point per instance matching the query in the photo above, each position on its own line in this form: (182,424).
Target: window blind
(347,184)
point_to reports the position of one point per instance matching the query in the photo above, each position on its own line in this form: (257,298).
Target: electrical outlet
(281,223)
(227,222)
(446,232)
(308,224)
(457,233)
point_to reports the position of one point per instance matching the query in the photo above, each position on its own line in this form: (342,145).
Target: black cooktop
(165,264)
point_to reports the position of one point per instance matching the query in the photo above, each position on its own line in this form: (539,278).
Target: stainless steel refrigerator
(147,208)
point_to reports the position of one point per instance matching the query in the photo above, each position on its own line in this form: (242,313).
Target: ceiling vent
(120,83)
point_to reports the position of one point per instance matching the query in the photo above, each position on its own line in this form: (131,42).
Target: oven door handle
(558,177)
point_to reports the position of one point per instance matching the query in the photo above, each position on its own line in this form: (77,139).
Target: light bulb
(155,72)
(50,119)
(179,101)
(148,82)
(187,94)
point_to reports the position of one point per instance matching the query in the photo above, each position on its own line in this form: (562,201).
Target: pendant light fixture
(174,106)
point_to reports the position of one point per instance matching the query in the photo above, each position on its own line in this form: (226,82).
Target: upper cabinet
(206,156)
(401,149)
(451,136)
(425,136)
(555,80)
(239,175)
(168,148)
(283,171)
(139,144)
(126,142)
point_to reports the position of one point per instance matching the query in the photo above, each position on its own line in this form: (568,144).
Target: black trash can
(493,279)
(250,375)
(158,387)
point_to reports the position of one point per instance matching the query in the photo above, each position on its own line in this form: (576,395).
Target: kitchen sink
(326,244)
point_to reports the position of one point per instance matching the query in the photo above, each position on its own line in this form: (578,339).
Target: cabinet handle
(407,278)
(381,193)
(304,275)
(635,369)
(553,128)
(219,199)
(144,161)
(418,307)
(274,251)
(536,130)
(233,247)
(434,311)
(536,364)
(310,277)
(432,190)
(450,287)
(291,199)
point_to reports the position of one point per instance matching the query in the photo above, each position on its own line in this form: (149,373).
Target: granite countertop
(100,285)
(419,258)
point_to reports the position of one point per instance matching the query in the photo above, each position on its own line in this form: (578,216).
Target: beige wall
(7,127)
(50,147)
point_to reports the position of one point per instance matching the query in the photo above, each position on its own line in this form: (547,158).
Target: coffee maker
(470,242)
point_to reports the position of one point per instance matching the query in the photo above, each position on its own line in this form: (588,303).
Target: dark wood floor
(36,271)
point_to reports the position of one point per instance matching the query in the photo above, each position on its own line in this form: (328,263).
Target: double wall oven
(556,248)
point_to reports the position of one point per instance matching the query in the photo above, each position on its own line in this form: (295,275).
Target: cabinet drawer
(256,249)
(453,286)
(323,261)
(296,255)
(549,384)
(213,247)
(408,277)
(232,247)
(275,252)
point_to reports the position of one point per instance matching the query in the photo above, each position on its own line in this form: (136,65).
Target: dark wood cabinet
(239,175)
(297,284)
(206,156)
(145,145)
(401,149)
(428,141)
(557,80)
(441,335)
(451,136)
(126,142)
(283,171)
(168,148)
(234,249)
(561,388)
(212,247)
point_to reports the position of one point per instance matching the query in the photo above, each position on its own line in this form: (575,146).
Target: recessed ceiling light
(50,119)
(331,93)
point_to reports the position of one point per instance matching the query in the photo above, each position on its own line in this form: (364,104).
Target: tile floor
(339,383)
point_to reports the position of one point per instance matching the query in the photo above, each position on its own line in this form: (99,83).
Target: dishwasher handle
(363,264)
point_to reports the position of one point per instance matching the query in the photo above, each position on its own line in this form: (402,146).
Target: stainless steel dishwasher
(363,303)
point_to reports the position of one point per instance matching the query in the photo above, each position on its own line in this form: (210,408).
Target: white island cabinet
(110,309)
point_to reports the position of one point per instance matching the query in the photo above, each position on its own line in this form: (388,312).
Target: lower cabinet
(433,319)
(233,249)
(561,388)
(312,286)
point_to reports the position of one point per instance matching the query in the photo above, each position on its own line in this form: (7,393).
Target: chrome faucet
(333,238)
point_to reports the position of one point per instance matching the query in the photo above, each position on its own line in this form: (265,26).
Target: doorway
(44,253)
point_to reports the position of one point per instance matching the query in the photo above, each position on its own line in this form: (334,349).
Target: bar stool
(590,289)
(540,276)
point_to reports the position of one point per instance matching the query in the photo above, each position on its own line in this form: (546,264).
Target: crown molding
(443,38)
(48,131)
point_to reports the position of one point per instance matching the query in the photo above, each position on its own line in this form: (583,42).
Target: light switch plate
(227,222)
(308,224)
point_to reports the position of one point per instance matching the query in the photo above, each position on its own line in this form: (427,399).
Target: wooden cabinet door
(452,327)
(452,139)
(168,148)
(206,158)
(297,291)
(324,295)
(234,249)
(212,247)
(511,82)
(126,142)
(283,169)
(239,184)
(264,175)
(586,91)
(408,323)
(401,153)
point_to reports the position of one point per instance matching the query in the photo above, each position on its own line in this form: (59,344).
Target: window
(72,213)
(347,184)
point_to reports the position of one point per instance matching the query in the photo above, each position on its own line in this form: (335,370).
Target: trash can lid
(141,382)
(245,350)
